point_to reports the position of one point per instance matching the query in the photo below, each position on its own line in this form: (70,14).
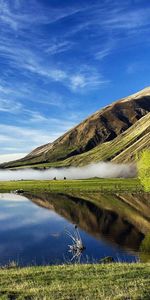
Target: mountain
(124,148)
(109,134)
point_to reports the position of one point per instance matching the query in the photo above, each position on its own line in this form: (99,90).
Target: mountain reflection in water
(122,219)
(33,227)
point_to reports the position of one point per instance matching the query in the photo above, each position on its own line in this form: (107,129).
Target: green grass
(144,169)
(88,282)
(91,185)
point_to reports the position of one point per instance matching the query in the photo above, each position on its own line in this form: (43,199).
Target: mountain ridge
(123,149)
(101,127)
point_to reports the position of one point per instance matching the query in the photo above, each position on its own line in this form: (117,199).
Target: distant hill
(115,133)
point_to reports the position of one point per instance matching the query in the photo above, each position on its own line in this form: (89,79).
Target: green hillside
(123,148)
(117,133)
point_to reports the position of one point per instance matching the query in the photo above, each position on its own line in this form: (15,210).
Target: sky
(62,60)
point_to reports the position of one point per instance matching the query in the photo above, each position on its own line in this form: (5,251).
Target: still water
(33,227)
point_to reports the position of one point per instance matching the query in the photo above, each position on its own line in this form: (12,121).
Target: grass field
(90,282)
(91,185)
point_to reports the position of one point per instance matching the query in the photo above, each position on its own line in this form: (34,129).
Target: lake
(33,227)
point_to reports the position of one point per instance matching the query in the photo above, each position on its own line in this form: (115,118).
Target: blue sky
(60,61)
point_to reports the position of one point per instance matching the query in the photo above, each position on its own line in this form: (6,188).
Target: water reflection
(121,219)
(34,232)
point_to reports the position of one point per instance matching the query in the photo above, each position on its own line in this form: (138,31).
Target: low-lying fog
(102,170)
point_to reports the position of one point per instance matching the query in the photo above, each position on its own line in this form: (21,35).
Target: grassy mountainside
(144,169)
(99,129)
(123,148)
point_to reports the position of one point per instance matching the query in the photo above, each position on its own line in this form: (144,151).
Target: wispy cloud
(19,15)
(31,116)
(22,138)
(10,106)
(53,58)
(87,78)
(101,54)
(59,47)
(137,18)
(36,117)
(6,16)
(9,157)
(26,137)
(26,59)
(5,90)
(69,78)
(13,93)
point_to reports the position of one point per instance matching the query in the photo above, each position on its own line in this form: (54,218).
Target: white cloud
(37,117)
(10,106)
(6,16)
(75,78)
(18,15)
(5,90)
(15,107)
(19,139)
(14,139)
(59,47)
(87,77)
(18,91)
(4,138)
(128,20)
(78,81)
(71,79)
(103,53)
(11,157)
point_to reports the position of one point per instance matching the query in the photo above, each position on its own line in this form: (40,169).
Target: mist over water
(101,170)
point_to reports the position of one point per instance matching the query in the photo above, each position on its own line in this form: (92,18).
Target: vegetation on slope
(91,282)
(122,149)
(144,169)
(102,127)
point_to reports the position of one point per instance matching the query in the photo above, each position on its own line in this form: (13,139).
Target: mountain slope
(102,127)
(123,148)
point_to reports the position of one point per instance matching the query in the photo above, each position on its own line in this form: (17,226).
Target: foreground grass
(91,185)
(111,281)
